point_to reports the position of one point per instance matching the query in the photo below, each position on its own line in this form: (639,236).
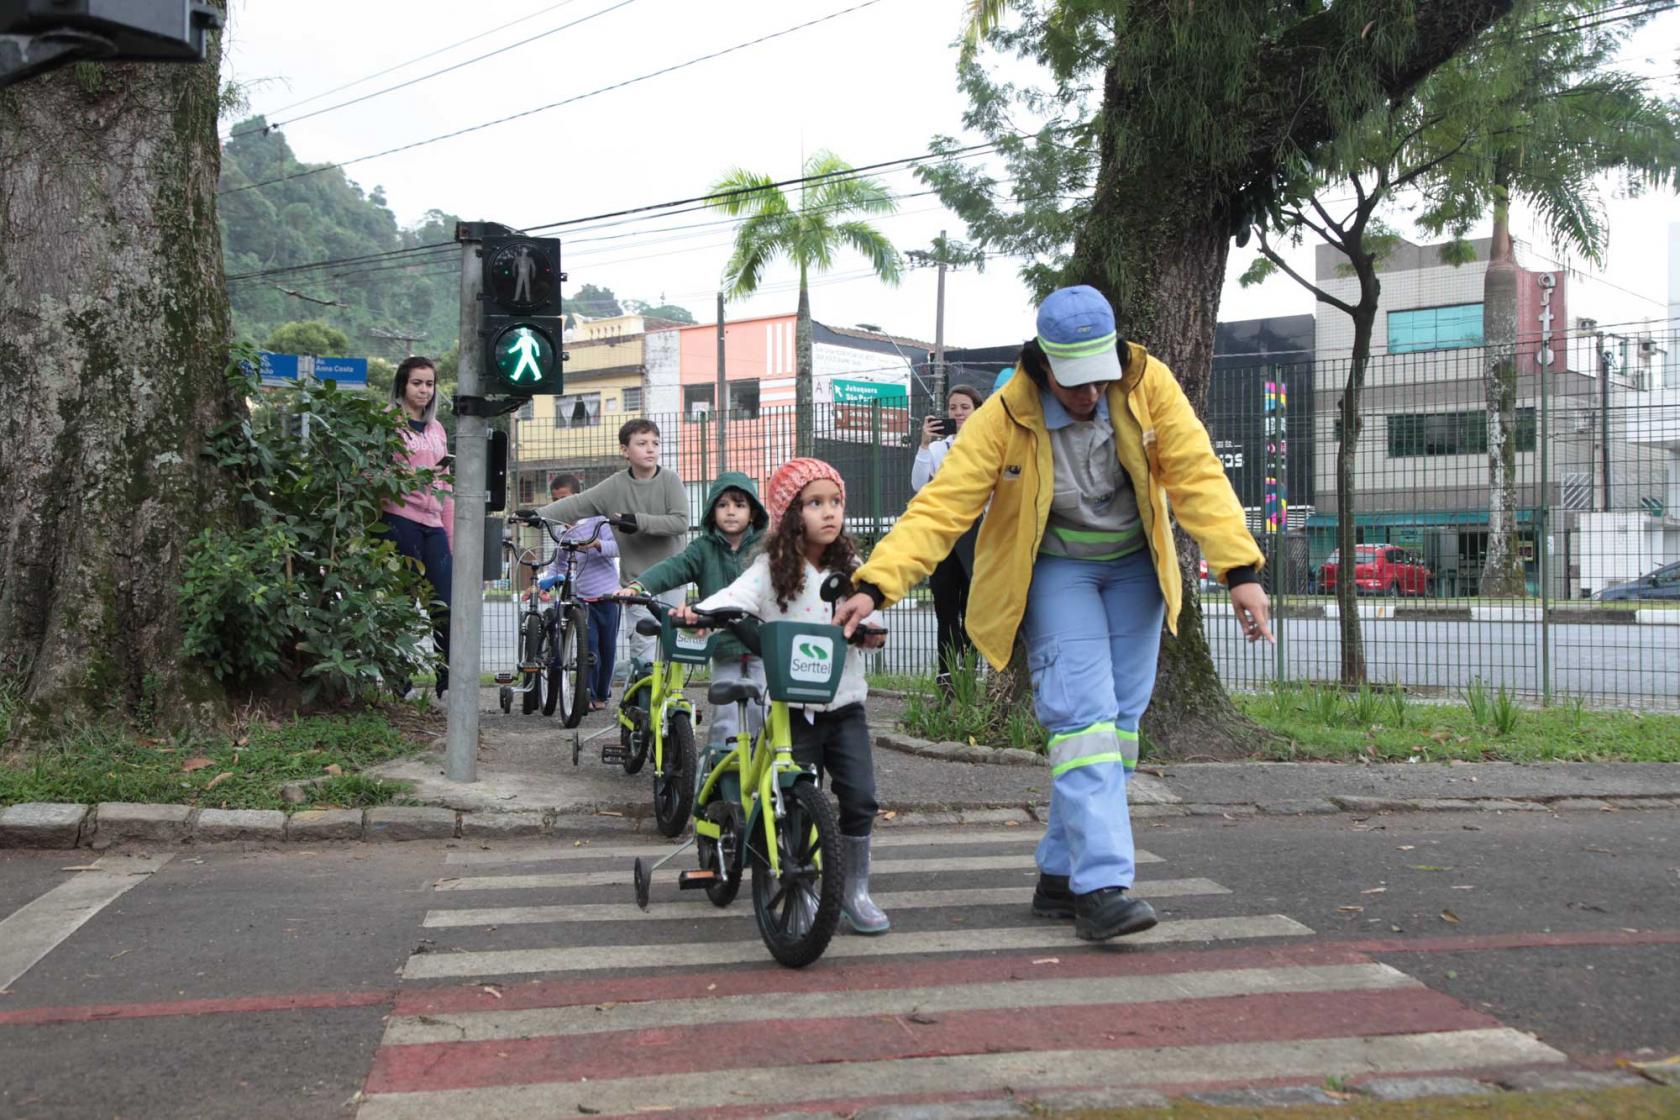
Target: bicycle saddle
(648,627)
(728,692)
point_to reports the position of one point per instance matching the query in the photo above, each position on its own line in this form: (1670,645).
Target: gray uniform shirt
(1094,514)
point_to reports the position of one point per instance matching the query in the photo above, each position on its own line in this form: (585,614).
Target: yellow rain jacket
(1003,456)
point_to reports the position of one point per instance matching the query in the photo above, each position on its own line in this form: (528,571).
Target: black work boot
(1052,898)
(1107,912)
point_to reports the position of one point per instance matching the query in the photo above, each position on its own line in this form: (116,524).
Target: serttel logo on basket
(813,658)
(686,640)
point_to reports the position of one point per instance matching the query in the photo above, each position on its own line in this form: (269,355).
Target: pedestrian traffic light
(523,354)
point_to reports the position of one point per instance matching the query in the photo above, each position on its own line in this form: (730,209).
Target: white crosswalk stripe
(560,1048)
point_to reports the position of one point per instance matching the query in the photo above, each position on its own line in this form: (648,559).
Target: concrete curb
(959,752)
(60,826)
(1418,611)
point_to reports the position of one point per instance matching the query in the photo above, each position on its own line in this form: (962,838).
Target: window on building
(526,410)
(743,399)
(697,401)
(1417,434)
(578,410)
(633,400)
(527,490)
(1435,328)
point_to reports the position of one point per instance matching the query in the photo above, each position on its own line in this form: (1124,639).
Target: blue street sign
(280,368)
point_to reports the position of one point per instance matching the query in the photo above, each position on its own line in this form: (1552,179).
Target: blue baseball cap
(1077,333)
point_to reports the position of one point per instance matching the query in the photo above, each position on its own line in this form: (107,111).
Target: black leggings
(949,584)
(837,744)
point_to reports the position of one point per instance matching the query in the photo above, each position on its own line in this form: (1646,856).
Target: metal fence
(1591,511)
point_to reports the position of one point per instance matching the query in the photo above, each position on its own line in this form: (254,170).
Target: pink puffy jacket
(427,449)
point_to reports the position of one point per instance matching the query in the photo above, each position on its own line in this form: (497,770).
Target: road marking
(571,1020)
(39,927)
(677,908)
(506,962)
(1025,836)
(977,1073)
(1017,861)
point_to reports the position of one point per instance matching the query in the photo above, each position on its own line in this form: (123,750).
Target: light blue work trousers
(1093,632)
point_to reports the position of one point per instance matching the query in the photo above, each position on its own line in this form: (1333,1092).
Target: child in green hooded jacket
(734,521)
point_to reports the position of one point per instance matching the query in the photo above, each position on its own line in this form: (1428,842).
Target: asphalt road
(1623,665)
(474,979)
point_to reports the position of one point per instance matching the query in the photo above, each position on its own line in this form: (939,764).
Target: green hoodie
(709,560)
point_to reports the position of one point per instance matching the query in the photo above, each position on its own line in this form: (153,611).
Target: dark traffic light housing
(521,326)
(39,35)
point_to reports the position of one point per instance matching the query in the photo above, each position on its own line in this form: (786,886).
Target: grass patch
(979,710)
(245,770)
(1322,722)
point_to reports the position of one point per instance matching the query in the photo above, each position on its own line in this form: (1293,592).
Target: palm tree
(810,235)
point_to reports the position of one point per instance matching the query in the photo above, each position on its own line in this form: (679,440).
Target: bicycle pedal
(695,879)
(614,756)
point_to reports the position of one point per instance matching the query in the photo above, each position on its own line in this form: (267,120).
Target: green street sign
(523,360)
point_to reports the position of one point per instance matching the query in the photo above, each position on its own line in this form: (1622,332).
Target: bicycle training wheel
(798,909)
(673,790)
(531,654)
(571,680)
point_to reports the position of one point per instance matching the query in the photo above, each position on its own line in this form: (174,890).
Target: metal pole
(1604,412)
(1543,522)
(466,616)
(939,385)
(722,405)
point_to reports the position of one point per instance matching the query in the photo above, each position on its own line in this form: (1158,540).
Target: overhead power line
(557,104)
(433,74)
(423,57)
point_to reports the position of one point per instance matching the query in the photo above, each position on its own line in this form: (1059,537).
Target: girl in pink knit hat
(806,542)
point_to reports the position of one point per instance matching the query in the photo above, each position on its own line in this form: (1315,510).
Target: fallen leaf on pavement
(124,953)
(83,867)
(1375,890)
(1406,847)
(1449,916)
(1351,909)
(890,814)
(1426,867)
(918,1017)
(1048,960)
(493,990)
(197,762)
(218,779)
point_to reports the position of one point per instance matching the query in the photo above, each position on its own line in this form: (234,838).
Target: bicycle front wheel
(798,908)
(571,679)
(531,656)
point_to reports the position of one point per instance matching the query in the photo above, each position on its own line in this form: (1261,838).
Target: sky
(875,83)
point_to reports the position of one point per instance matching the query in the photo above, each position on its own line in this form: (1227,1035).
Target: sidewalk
(525,765)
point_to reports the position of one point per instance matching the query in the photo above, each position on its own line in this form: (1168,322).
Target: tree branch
(1319,293)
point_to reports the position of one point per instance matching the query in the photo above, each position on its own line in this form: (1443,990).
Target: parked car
(1664,583)
(1380,569)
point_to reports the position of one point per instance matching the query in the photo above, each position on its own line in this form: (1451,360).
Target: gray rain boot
(856,906)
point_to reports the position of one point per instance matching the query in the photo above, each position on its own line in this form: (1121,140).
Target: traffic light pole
(466,616)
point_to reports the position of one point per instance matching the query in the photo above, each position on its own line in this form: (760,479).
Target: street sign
(278,369)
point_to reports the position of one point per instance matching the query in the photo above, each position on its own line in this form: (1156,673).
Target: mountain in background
(327,216)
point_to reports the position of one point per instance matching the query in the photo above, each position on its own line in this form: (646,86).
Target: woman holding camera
(949,581)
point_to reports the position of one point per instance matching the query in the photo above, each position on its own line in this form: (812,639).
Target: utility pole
(472,452)
(939,386)
(721,405)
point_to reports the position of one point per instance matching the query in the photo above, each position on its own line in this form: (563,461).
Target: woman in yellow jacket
(1079,456)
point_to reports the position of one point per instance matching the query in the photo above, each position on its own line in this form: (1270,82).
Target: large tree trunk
(804,408)
(1160,258)
(113,342)
(1502,570)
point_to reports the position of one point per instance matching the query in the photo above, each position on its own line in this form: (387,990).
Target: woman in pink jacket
(422,525)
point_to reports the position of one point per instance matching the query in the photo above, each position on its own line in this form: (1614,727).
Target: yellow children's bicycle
(757,806)
(656,717)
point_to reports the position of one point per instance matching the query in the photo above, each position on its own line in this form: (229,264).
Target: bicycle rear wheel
(531,653)
(571,678)
(798,909)
(673,790)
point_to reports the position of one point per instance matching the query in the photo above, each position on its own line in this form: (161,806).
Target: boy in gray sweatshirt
(649,494)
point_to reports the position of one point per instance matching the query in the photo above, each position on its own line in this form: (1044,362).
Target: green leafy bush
(308,590)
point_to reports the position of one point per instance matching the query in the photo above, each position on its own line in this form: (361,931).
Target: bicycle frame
(664,683)
(765,766)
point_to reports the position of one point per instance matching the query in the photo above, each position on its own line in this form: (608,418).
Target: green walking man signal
(521,323)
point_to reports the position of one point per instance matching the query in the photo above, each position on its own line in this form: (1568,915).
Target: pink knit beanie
(792,477)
